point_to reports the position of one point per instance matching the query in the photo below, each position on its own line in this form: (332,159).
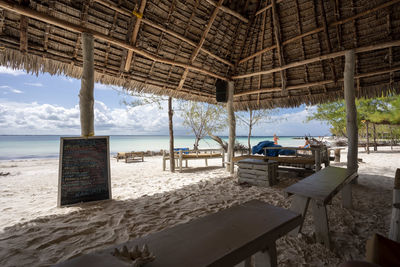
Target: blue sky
(48,104)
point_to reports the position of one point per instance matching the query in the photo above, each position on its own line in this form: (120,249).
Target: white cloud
(10,89)
(34,118)
(10,71)
(34,84)
(16,91)
(67,79)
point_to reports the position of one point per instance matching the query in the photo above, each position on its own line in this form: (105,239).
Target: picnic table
(225,238)
(320,188)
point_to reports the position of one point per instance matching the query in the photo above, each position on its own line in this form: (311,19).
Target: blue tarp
(258,149)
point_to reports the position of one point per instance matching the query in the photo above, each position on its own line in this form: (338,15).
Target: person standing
(276,138)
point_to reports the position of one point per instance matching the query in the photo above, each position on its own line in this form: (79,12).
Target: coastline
(147,200)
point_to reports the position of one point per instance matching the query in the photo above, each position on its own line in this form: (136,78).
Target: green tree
(334,113)
(203,119)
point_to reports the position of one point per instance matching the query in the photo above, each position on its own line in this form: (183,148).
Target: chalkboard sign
(84,170)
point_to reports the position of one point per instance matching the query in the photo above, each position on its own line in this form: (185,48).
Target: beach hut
(274,53)
(261,54)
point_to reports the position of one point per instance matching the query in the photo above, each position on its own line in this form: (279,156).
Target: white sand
(34,232)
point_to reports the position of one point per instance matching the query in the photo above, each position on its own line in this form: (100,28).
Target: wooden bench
(130,156)
(320,188)
(186,155)
(225,238)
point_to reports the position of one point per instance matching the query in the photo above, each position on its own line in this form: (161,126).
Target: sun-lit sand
(34,232)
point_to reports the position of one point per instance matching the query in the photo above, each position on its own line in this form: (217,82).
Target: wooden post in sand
(366,125)
(394,232)
(351,113)
(375,147)
(86,99)
(232,126)
(171,136)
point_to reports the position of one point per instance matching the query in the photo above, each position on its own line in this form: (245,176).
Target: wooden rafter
(163,29)
(319,83)
(320,29)
(23,34)
(320,58)
(278,41)
(200,44)
(389,30)
(327,39)
(117,42)
(134,35)
(299,23)
(84,17)
(112,29)
(48,26)
(228,11)
(336,5)
(260,57)
(262,10)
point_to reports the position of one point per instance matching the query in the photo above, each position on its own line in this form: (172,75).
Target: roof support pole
(86,99)
(232,127)
(351,111)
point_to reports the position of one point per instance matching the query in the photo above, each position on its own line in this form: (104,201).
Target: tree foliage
(203,119)
(385,110)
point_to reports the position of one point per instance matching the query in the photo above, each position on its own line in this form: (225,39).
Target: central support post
(232,127)
(351,126)
(86,99)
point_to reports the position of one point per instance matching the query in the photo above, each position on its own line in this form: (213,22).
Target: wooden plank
(394,232)
(321,223)
(299,205)
(323,185)
(251,181)
(222,239)
(254,171)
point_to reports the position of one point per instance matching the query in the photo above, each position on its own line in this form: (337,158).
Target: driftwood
(224,145)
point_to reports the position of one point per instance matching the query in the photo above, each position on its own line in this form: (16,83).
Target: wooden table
(224,238)
(321,187)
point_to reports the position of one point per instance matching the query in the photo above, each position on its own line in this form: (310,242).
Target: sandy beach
(34,232)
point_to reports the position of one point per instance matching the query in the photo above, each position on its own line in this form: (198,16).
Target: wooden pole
(394,232)
(171,136)
(232,126)
(86,99)
(367,124)
(351,112)
(375,146)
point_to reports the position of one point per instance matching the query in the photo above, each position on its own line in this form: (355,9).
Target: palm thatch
(280,53)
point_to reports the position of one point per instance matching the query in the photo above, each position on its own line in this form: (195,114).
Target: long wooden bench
(225,238)
(185,155)
(130,156)
(320,188)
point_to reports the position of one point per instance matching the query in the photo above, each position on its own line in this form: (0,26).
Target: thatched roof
(280,53)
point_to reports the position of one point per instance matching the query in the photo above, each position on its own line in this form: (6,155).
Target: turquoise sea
(48,146)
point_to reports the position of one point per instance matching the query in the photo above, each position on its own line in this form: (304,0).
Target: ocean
(48,146)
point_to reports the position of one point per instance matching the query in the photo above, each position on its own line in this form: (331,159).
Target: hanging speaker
(221,90)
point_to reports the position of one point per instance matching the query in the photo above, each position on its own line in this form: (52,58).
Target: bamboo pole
(229,11)
(232,126)
(86,99)
(351,112)
(80,29)
(320,58)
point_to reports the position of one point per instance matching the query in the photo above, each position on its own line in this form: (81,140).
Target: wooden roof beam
(319,83)
(80,29)
(320,29)
(201,42)
(278,38)
(163,29)
(23,34)
(320,58)
(134,35)
(228,10)
(262,10)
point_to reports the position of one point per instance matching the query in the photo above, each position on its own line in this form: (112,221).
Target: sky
(49,105)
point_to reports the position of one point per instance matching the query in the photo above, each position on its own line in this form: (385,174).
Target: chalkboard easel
(84,170)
